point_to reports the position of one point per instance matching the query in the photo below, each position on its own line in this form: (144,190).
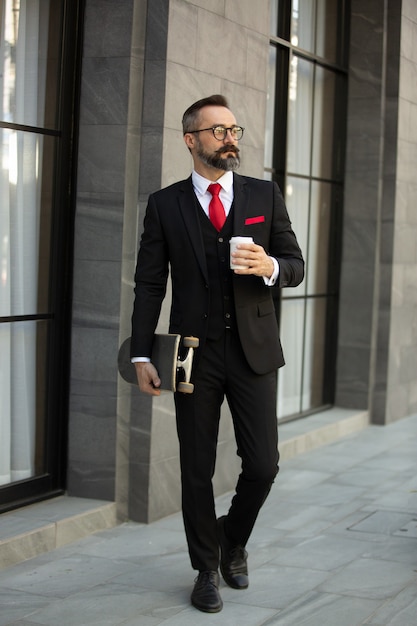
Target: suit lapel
(188,209)
(241,201)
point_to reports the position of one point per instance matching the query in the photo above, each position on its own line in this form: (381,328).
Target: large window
(304,151)
(34,229)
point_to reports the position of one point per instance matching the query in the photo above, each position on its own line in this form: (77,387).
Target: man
(232,314)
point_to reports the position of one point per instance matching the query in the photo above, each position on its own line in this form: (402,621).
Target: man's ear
(189,140)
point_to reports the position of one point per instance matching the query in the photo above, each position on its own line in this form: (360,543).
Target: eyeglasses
(220,132)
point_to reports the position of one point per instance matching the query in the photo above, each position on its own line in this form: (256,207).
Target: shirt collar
(200,183)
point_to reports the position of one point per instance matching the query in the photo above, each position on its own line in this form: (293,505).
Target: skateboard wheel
(190,342)
(184,387)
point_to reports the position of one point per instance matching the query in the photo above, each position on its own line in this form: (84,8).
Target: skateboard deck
(174,371)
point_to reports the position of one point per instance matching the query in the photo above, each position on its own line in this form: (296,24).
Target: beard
(217,161)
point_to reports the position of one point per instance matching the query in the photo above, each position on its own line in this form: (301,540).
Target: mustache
(228,148)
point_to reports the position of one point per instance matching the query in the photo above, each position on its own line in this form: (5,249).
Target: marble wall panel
(248,105)
(98,227)
(157,12)
(94,353)
(408,365)
(86,434)
(164,430)
(214,6)
(138,507)
(140,426)
(411,127)
(257,62)
(359,241)
(397,404)
(353,376)
(107,28)
(253,15)
(96,293)
(185,85)
(154,102)
(409,9)
(227,42)
(104,90)
(164,488)
(251,161)
(150,171)
(408,79)
(183,34)
(97,248)
(408,34)
(176,162)
(371,174)
(405,243)
(92,479)
(407,160)
(385,293)
(101,158)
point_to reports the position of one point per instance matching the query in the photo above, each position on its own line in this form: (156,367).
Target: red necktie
(216,209)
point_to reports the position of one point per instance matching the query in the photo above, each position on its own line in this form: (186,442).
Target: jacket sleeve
(150,282)
(283,244)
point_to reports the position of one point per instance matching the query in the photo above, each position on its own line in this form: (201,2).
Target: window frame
(285,52)
(51,481)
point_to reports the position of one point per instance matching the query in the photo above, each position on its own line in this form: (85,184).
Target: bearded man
(187,228)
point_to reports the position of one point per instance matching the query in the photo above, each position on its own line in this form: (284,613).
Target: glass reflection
(314,27)
(324,94)
(289,377)
(297,193)
(318,246)
(300,116)
(25,221)
(303,24)
(28,62)
(313,367)
(270,109)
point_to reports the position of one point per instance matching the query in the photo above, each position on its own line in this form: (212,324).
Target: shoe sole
(206,609)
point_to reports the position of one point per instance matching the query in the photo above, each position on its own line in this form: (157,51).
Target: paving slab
(334,545)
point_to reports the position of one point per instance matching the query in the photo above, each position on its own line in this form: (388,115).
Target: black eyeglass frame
(232,129)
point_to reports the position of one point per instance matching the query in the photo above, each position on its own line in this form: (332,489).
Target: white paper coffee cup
(235,241)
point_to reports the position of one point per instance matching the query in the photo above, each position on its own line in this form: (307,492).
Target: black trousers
(224,372)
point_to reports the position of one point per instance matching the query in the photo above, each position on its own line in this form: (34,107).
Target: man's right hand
(148,379)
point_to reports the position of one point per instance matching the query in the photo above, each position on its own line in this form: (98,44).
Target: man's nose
(229,137)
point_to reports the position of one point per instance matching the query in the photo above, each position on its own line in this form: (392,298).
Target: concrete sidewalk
(335,545)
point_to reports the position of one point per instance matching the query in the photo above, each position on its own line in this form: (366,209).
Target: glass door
(37,97)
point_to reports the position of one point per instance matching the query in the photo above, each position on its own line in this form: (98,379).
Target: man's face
(220,155)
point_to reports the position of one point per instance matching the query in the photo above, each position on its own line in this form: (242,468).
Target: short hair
(190,117)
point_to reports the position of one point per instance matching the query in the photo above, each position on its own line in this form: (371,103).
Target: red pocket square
(254,220)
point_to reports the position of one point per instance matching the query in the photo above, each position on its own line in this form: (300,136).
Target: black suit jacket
(172,240)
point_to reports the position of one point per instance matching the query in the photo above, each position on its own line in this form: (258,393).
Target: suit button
(205,316)
(220,240)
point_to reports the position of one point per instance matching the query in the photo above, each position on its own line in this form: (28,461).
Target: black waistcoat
(216,244)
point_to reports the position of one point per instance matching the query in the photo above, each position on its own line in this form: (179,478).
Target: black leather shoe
(205,596)
(233,560)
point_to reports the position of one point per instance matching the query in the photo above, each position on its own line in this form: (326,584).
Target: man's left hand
(255,260)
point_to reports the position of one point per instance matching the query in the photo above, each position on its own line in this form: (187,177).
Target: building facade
(93,94)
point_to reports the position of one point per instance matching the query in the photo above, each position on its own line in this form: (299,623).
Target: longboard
(174,371)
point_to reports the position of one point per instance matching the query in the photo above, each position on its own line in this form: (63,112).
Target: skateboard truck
(186,364)
(173,369)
